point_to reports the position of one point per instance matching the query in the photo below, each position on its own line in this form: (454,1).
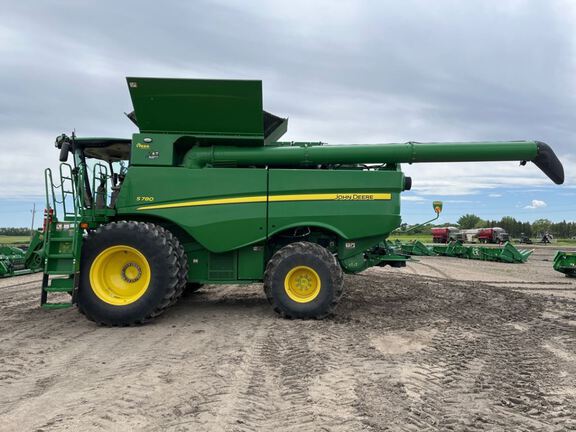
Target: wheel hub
(120,275)
(131,272)
(302,284)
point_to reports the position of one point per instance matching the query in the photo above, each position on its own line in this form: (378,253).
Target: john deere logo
(142,146)
(354,197)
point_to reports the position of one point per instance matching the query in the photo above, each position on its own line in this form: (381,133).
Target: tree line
(512,226)
(13,231)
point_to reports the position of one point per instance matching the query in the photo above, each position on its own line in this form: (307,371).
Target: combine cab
(204,193)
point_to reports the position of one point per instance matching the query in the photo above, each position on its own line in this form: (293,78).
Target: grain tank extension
(205,193)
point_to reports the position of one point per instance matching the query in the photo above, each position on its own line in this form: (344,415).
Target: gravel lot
(444,344)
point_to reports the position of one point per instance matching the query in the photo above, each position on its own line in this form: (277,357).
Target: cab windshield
(106,163)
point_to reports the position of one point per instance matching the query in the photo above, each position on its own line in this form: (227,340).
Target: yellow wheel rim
(120,275)
(302,284)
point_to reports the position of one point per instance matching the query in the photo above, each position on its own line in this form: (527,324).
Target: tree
(540,226)
(469,221)
(514,227)
(480,224)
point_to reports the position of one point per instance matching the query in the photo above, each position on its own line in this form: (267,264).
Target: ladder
(62,238)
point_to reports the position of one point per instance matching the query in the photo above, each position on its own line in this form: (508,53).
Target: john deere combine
(205,193)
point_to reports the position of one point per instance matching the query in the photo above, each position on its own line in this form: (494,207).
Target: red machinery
(492,235)
(444,235)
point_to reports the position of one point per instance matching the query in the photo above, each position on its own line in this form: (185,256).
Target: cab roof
(106,149)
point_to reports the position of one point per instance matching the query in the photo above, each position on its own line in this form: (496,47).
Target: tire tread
(173,252)
(336,276)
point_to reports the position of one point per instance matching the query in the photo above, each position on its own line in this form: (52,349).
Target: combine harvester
(206,194)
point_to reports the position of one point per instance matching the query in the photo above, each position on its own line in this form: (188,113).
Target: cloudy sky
(342,71)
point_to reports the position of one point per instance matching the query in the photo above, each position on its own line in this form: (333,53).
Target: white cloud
(473,178)
(411,198)
(324,69)
(536,204)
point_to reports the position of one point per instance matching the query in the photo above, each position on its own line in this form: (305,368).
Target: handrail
(68,192)
(50,193)
(66,177)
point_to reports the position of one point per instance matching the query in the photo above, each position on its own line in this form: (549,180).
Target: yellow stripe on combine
(241,200)
(356,196)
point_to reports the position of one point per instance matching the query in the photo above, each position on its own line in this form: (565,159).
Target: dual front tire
(130,272)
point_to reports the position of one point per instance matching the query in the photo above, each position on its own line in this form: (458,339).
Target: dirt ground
(444,344)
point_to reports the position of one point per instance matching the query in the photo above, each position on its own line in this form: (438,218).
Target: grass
(565,242)
(14,239)
(424,238)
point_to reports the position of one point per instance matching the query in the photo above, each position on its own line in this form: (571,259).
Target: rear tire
(130,272)
(303,280)
(183,263)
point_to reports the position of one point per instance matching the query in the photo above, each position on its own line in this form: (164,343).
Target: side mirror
(437,205)
(64,151)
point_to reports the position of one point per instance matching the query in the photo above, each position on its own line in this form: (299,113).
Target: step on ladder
(62,240)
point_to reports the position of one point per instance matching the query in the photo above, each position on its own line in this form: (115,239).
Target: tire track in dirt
(435,269)
(18,288)
(402,353)
(481,373)
(277,391)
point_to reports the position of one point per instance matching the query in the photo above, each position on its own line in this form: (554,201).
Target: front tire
(303,280)
(130,272)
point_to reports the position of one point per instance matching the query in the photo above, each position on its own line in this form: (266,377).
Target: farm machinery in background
(15,261)
(205,193)
(545,238)
(495,235)
(565,262)
(453,246)
(507,253)
(445,234)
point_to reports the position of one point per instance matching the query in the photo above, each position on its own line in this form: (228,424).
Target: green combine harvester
(206,194)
